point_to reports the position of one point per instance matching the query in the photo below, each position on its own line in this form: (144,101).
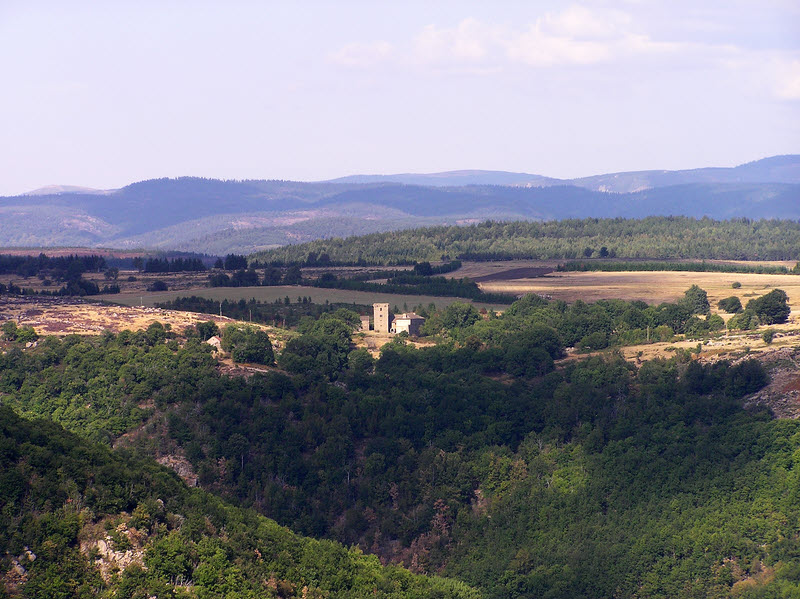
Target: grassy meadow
(270,294)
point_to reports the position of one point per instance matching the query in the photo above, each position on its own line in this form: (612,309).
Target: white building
(407,322)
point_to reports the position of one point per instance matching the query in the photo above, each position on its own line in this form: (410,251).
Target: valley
(621,394)
(453,300)
(418,454)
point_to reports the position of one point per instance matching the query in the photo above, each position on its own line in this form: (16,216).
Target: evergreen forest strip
(654,238)
(480,458)
(631,266)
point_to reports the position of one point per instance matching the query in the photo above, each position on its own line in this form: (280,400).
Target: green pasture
(279,292)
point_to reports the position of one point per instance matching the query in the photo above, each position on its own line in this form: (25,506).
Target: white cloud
(362,54)
(574,36)
(787,80)
(581,36)
(770,73)
(469,41)
(580,22)
(539,48)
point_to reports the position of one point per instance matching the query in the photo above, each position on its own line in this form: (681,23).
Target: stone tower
(381,317)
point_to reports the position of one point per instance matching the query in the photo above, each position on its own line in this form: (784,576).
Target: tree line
(174,265)
(654,238)
(627,265)
(58,267)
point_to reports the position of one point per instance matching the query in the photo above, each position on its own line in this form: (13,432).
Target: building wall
(408,325)
(381,317)
(413,327)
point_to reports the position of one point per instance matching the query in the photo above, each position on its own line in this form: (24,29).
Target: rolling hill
(214,216)
(776,169)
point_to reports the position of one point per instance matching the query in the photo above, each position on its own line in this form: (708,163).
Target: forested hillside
(479,458)
(212,216)
(80,520)
(653,238)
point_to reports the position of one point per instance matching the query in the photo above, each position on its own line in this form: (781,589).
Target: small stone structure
(365,322)
(381,317)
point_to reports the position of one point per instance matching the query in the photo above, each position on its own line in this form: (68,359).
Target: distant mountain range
(778,169)
(213,216)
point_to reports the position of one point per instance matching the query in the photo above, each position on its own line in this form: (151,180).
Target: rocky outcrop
(108,553)
(782,395)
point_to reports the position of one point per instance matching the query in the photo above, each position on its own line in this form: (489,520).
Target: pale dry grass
(474,270)
(651,287)
(66,316)
(725,346)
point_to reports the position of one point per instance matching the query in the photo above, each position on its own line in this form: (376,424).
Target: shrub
(593,341)
(247,344)
(157,285)
(744,321)
(715,322)
(206,330)
(696,299)
(772,308)
(731,305)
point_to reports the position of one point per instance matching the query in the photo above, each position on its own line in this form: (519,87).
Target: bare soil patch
(527,272)
(496,268)
(373,341)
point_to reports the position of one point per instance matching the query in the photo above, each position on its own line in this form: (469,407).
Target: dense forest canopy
(655,238)
(481,457)
(66,502)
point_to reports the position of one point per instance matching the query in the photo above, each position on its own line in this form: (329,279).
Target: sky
(103,94)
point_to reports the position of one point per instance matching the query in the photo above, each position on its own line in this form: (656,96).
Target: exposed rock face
(181,466)
(110,560)
(17,575)
(782,395)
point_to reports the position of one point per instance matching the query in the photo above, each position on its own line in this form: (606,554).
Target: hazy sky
(102,94)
